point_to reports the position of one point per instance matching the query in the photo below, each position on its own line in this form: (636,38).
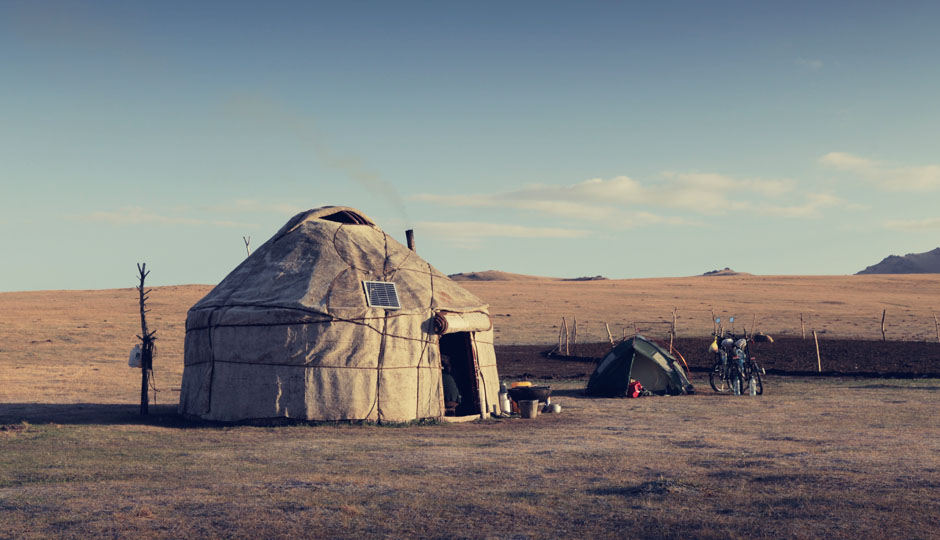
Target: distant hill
(912,263)
(496,275)
(723,272)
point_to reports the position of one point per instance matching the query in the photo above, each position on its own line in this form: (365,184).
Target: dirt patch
(534,361)
(786,356)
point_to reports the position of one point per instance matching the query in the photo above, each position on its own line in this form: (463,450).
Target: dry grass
(809,459)
(840,306)
(71,346)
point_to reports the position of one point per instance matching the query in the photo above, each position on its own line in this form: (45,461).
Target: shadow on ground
(103,414)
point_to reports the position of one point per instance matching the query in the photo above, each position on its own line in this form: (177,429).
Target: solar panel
(382,294)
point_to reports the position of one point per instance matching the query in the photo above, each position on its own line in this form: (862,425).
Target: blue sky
(563,139)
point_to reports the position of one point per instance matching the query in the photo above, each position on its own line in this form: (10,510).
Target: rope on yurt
(378,378)
(424,349)
(211,364)
(332,319)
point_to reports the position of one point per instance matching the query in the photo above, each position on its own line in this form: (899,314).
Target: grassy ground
(811,458)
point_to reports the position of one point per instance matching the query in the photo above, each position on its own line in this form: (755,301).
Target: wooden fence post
(883,336)
(564,324)
(818,358)
(574,337)
(937,326)
(609,337)
(672,333)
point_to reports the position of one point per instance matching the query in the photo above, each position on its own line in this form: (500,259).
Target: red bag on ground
(634,389)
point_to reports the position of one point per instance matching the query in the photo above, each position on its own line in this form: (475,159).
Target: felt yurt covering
(641,360)
(289,332)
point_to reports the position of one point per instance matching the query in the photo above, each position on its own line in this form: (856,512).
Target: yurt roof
(317,262)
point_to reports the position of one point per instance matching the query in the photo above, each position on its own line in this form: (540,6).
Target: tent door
(459,348)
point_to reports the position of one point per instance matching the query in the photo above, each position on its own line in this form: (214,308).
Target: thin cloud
(623,201)
(256,206)
(136,215)
(811,63)
(471,234)
(478,229)
(815,203)
(913,225)
(885,176)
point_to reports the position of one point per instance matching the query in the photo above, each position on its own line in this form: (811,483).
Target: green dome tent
(641,360)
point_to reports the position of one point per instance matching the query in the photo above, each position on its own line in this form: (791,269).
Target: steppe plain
(815,456)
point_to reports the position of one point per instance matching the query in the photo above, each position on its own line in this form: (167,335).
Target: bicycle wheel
(718,382)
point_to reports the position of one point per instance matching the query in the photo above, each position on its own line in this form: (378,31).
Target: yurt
(332,319)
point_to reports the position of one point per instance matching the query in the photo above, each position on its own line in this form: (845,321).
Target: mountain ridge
(912,263)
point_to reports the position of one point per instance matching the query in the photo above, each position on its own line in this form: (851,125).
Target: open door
(459,349)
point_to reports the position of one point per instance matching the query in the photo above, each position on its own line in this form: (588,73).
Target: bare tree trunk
(146,351)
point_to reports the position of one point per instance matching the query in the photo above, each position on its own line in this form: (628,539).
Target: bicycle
(735,371)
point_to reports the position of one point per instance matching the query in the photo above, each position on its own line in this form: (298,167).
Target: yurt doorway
(458,350)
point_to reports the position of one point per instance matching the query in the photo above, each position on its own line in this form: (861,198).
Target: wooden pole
(564,324)
(802,327)
(574,337)
(937,326)
(609,337)
(672,333)
(247,240)
(883,336)
(818,358)
(561,330)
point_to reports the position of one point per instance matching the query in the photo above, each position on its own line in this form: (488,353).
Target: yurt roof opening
(308,327)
